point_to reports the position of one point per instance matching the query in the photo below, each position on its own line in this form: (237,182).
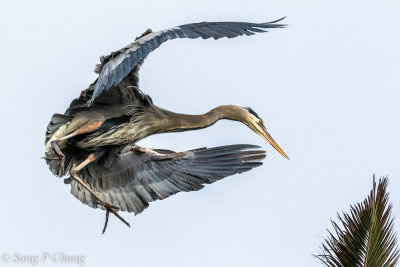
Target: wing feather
(131,177)
(115,67)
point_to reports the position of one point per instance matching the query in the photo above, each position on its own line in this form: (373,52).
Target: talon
(110,208)
(99,201)
(60,155)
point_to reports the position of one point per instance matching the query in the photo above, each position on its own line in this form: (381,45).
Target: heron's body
(98,133)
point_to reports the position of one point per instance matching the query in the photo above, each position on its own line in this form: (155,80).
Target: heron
(95,140)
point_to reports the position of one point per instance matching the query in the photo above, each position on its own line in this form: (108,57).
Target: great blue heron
(95,140)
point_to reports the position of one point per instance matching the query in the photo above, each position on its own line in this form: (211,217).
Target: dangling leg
(109,208)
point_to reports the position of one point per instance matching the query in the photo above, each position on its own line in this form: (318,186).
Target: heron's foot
(61,165)
(60,155)
(114,210)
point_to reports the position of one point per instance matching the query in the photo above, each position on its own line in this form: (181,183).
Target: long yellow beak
(264,134)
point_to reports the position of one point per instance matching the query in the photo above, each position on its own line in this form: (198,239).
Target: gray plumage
(130,178)
(116,66)
(101,137)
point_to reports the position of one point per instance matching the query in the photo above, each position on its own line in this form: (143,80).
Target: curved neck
(175,122)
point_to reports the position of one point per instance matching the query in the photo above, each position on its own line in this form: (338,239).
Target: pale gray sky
(327,88)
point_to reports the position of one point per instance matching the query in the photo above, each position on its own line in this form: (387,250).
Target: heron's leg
(109,208)
(88,127)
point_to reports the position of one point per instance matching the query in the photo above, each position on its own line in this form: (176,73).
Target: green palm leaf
(367,237)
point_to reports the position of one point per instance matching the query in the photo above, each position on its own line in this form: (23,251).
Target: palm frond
(366,237)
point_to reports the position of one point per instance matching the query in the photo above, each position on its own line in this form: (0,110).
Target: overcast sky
(327,88)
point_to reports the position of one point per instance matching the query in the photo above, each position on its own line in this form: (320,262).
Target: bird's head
(254,122)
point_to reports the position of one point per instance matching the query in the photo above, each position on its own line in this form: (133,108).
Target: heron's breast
(111,134)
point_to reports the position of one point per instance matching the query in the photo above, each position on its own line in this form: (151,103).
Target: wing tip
(278,20)
(275,24)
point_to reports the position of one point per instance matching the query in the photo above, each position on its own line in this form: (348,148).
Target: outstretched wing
(118,65)
(130,177)
(118,97)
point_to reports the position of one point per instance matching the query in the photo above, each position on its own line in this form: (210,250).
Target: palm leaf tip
(366,237)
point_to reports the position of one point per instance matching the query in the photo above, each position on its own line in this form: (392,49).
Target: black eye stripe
(252,111)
